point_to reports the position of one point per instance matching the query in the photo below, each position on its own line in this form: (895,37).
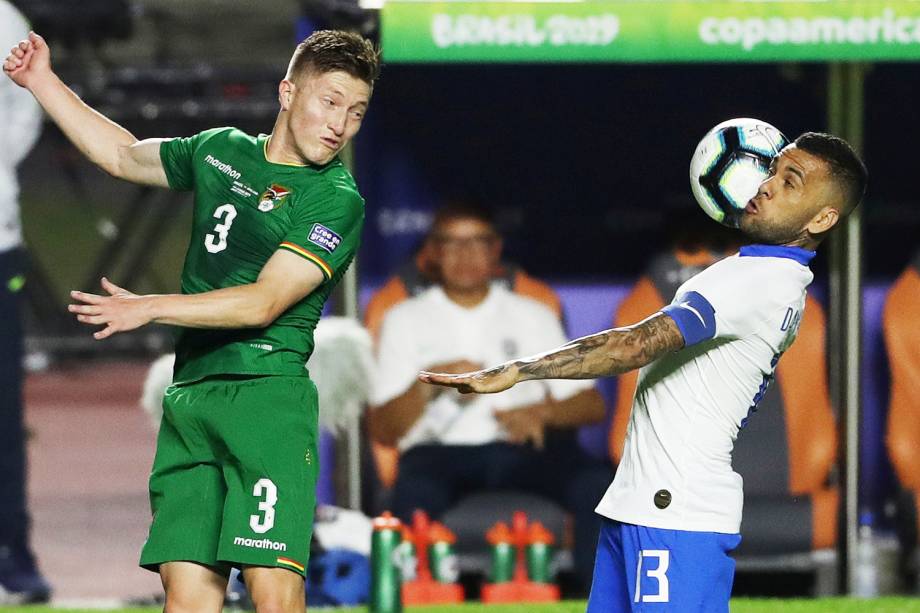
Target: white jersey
(20,124)
(737,317)
(431,329)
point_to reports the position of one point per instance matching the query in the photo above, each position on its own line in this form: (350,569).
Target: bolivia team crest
(273,197)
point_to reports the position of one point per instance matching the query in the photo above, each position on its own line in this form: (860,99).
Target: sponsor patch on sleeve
(323,237)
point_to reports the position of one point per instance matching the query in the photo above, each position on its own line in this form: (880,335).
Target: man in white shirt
(673,511)
(450,445)
(20,124)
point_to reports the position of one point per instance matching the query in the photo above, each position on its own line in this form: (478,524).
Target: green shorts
(234,478)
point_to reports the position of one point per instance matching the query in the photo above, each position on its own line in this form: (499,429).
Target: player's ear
(825,220)
(286,94)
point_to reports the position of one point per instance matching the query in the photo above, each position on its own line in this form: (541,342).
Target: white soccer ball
(729,165)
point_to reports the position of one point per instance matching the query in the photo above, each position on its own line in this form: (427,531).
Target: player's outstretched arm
(104,142)
(611,352)
(285,279)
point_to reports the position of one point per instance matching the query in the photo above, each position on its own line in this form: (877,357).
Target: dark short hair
(331,50)
(461,208)
(845,165)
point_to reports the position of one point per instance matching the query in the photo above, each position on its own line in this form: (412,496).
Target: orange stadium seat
(786,454)
(902,341)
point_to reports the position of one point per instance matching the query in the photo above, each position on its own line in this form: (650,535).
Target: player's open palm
(28,60)
(487,381)
(120,311)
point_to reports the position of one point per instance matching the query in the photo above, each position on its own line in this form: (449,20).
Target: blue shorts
(651,569)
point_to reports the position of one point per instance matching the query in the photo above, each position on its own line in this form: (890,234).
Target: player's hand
(454,368)
(524,425)
(29,60)
(120,311)
(488,381)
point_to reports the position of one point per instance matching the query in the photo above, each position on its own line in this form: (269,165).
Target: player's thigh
(192,588)
(680,571)
(609,590)
(186,488)
(275,589)
(269,429)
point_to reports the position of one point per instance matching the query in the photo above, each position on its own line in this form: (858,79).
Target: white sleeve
(548,334)
(397,360)
(726,302)
(20,114)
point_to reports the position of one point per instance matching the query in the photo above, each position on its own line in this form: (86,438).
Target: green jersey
(246,208)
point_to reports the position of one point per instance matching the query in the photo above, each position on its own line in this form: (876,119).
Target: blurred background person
(453,446)
(417,275)
(20,124)
(422,271)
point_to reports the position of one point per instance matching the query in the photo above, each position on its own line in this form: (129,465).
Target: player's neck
(277,150)
(803,241)
(467,298)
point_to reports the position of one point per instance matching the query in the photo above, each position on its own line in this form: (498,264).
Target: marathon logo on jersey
(225,168)
(260,543)
(273,197)
(324,237)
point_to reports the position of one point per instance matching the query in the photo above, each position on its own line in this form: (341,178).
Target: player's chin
(747,223)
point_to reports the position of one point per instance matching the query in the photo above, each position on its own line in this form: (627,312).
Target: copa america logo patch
(324,237)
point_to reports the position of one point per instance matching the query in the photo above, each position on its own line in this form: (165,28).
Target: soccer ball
(729,165)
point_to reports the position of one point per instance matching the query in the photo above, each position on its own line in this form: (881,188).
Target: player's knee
(183,604)
(279,603)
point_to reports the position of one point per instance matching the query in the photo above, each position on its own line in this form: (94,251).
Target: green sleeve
(326,228)
(177,156)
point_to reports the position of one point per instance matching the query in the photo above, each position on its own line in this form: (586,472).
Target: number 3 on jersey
(658,572)
(215,243)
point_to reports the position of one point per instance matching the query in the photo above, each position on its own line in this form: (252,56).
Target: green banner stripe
(642,31)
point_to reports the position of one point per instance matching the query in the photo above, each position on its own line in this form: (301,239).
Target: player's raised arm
(611,352)
(284,280)
(104,142)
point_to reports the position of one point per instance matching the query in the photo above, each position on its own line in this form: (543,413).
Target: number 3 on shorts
(264,487)
(658,573)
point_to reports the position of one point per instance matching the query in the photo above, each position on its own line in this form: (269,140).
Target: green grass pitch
(739,605)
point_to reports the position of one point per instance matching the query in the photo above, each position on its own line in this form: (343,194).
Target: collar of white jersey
(802,256)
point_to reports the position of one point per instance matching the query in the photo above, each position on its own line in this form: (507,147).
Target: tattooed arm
(611,352)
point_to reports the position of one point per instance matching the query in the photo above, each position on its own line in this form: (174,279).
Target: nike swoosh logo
(687,306)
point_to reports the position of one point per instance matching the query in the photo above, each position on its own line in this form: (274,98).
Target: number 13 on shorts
(651,576)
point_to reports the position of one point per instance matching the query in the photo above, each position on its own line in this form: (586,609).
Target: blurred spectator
(452,445)
(414,277)
(421,272)
(20,124)
(901,327)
